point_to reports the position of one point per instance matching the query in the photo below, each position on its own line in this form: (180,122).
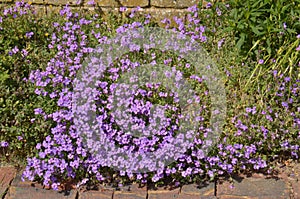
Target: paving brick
(37,193)
(198,190)
(7,174)
(292,176)
(254,188)
(162,193)
(107,194)
(31,190)
(295,185)
(118,195)
(17,182)
(133,191)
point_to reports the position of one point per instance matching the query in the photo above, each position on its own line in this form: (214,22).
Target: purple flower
(63,154)
(38,111)
(220,43)
(29,34)
(251,110)
(261,61)
(285,104)
(42,155)
(193,8)
(24,52)
(287,79)
(15,50)
(54,186)
(284,26)
(123,9)
(269,118)
(219,12)
(4,144)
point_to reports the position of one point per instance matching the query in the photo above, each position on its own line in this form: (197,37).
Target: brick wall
(159,9)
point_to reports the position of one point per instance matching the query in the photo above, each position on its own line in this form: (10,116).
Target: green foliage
(263,23)
(19,55)
(249,30)
(266,29)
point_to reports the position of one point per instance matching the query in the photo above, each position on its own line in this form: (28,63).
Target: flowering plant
(262,122)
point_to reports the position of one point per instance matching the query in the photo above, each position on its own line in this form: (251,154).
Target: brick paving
(163,193)
(7,174)
(285,186)
(291,175)
(254,188)
(133,191)
(29,190)
(96,194)
(205,191)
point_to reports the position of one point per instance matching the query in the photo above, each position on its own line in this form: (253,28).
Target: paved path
(286,185)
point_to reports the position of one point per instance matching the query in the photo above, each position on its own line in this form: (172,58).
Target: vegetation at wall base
(255,43)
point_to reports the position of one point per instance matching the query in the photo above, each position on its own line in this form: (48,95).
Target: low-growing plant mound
(39,77)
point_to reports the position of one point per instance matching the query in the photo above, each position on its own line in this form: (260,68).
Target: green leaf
(256,31)
(227,29)
(241,41)
(256,14)
(291,31)
(4,76)
(241,26)
(269,50)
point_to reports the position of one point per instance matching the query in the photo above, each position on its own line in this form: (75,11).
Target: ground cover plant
(23,47)
(40,61)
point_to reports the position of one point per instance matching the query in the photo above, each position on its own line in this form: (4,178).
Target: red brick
(295,188)
(106,194)
(119,195)
(37,193)
(184,196)
(133,191)
(294,180)
(33,190)
(7,174)
(162,193)
(17,182)
(202,190)
(254,188)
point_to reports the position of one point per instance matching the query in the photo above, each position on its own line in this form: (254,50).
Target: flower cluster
(121,125)
(57,81)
